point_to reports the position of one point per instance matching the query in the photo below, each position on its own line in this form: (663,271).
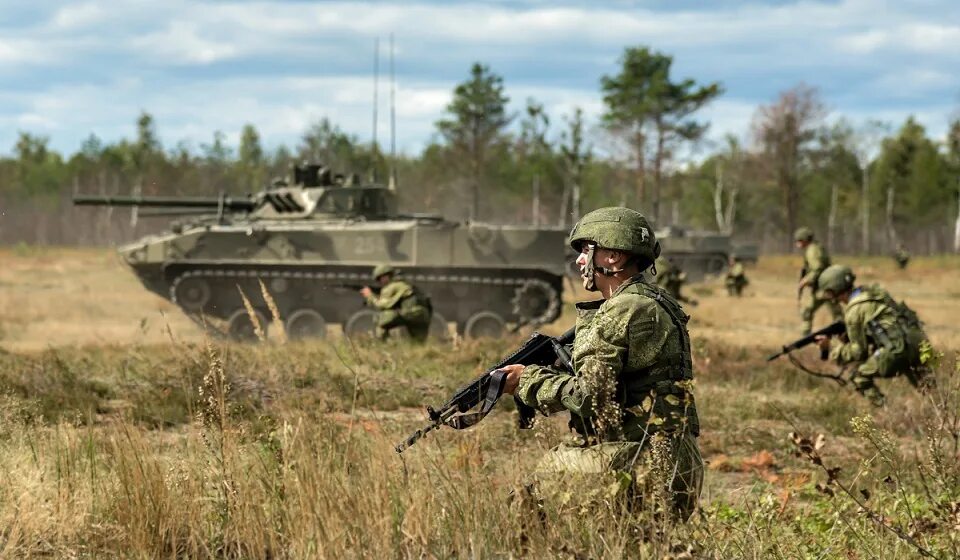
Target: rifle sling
(498,379)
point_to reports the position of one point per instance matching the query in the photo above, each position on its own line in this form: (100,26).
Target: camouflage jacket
(815,259)
(399,295)
(875,320)
(736,273)
(639,338)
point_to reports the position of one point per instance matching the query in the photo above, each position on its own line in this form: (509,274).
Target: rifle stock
(486,389)
(833,329)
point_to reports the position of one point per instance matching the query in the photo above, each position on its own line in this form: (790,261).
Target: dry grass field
(124,432)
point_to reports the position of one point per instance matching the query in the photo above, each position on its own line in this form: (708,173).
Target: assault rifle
(538,350)
(833,329)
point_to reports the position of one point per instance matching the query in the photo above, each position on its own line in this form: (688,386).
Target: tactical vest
(413,299)
(904,328)
(635,387)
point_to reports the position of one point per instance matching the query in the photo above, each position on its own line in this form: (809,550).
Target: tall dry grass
(189,448)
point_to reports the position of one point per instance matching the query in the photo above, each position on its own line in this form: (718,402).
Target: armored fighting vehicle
(701,253)
(313,240)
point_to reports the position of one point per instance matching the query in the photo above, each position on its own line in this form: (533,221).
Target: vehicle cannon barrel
(211,203)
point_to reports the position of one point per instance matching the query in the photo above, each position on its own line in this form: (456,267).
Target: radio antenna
(376,84)
(393,122)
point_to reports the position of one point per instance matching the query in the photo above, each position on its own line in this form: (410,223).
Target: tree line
(864,187)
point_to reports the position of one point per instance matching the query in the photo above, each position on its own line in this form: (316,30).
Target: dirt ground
(72,297)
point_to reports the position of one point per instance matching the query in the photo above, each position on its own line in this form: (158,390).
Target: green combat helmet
(835,279)
(382,269)
(803,234)
(616,228)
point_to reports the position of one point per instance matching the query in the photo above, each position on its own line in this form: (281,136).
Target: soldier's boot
(419,332)
(921,378)
(875,397)
(863,383)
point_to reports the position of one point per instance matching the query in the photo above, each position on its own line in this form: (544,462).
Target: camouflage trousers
(735,286)
(417,323)
(810,307)
(901,359)
(665,472)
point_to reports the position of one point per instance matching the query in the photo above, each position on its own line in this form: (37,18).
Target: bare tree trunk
(891,232)
(865,211)
(564,203)
(832,217)
(641,179)
(135,210)
(657,172)
(718,200)
(956,227)
(536,199)
(575,200)
(731,210)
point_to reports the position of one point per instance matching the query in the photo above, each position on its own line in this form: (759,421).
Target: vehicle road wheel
(192,293)
(305,323)
(361,324)
(484,324)
(240,327)
(536,302)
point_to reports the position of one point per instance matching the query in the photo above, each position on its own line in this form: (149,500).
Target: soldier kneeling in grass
(400,303)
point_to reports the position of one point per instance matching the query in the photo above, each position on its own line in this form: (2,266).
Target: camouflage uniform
(884,337)
(635,344)
(902,256)
(401,305)
(671,278)
(815,260)
(736,280)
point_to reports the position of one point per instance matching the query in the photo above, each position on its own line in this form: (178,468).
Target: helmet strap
(591,269)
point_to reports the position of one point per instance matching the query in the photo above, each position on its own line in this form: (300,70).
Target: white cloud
(182,42)
(79,15)
(866,53)
(21,51)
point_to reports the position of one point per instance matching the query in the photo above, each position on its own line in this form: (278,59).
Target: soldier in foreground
(815,260)
(400,304)
(629,397)
(671,278)
(884,338)
(736,279)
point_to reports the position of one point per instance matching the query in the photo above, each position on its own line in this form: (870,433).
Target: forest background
(865,187)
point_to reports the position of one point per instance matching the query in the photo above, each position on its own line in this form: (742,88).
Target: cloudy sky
(71,68)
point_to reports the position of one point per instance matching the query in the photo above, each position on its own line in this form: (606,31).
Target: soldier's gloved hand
(366,291)
(513,377)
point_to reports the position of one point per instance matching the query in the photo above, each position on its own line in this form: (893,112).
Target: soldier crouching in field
(400,304)
(884,338)
(630,399)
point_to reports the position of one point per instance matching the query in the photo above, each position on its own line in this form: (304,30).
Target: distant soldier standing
(902,256)
(400,304)
(884,337)
(671,278)
(630,398)
(736,279)
(815,260)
